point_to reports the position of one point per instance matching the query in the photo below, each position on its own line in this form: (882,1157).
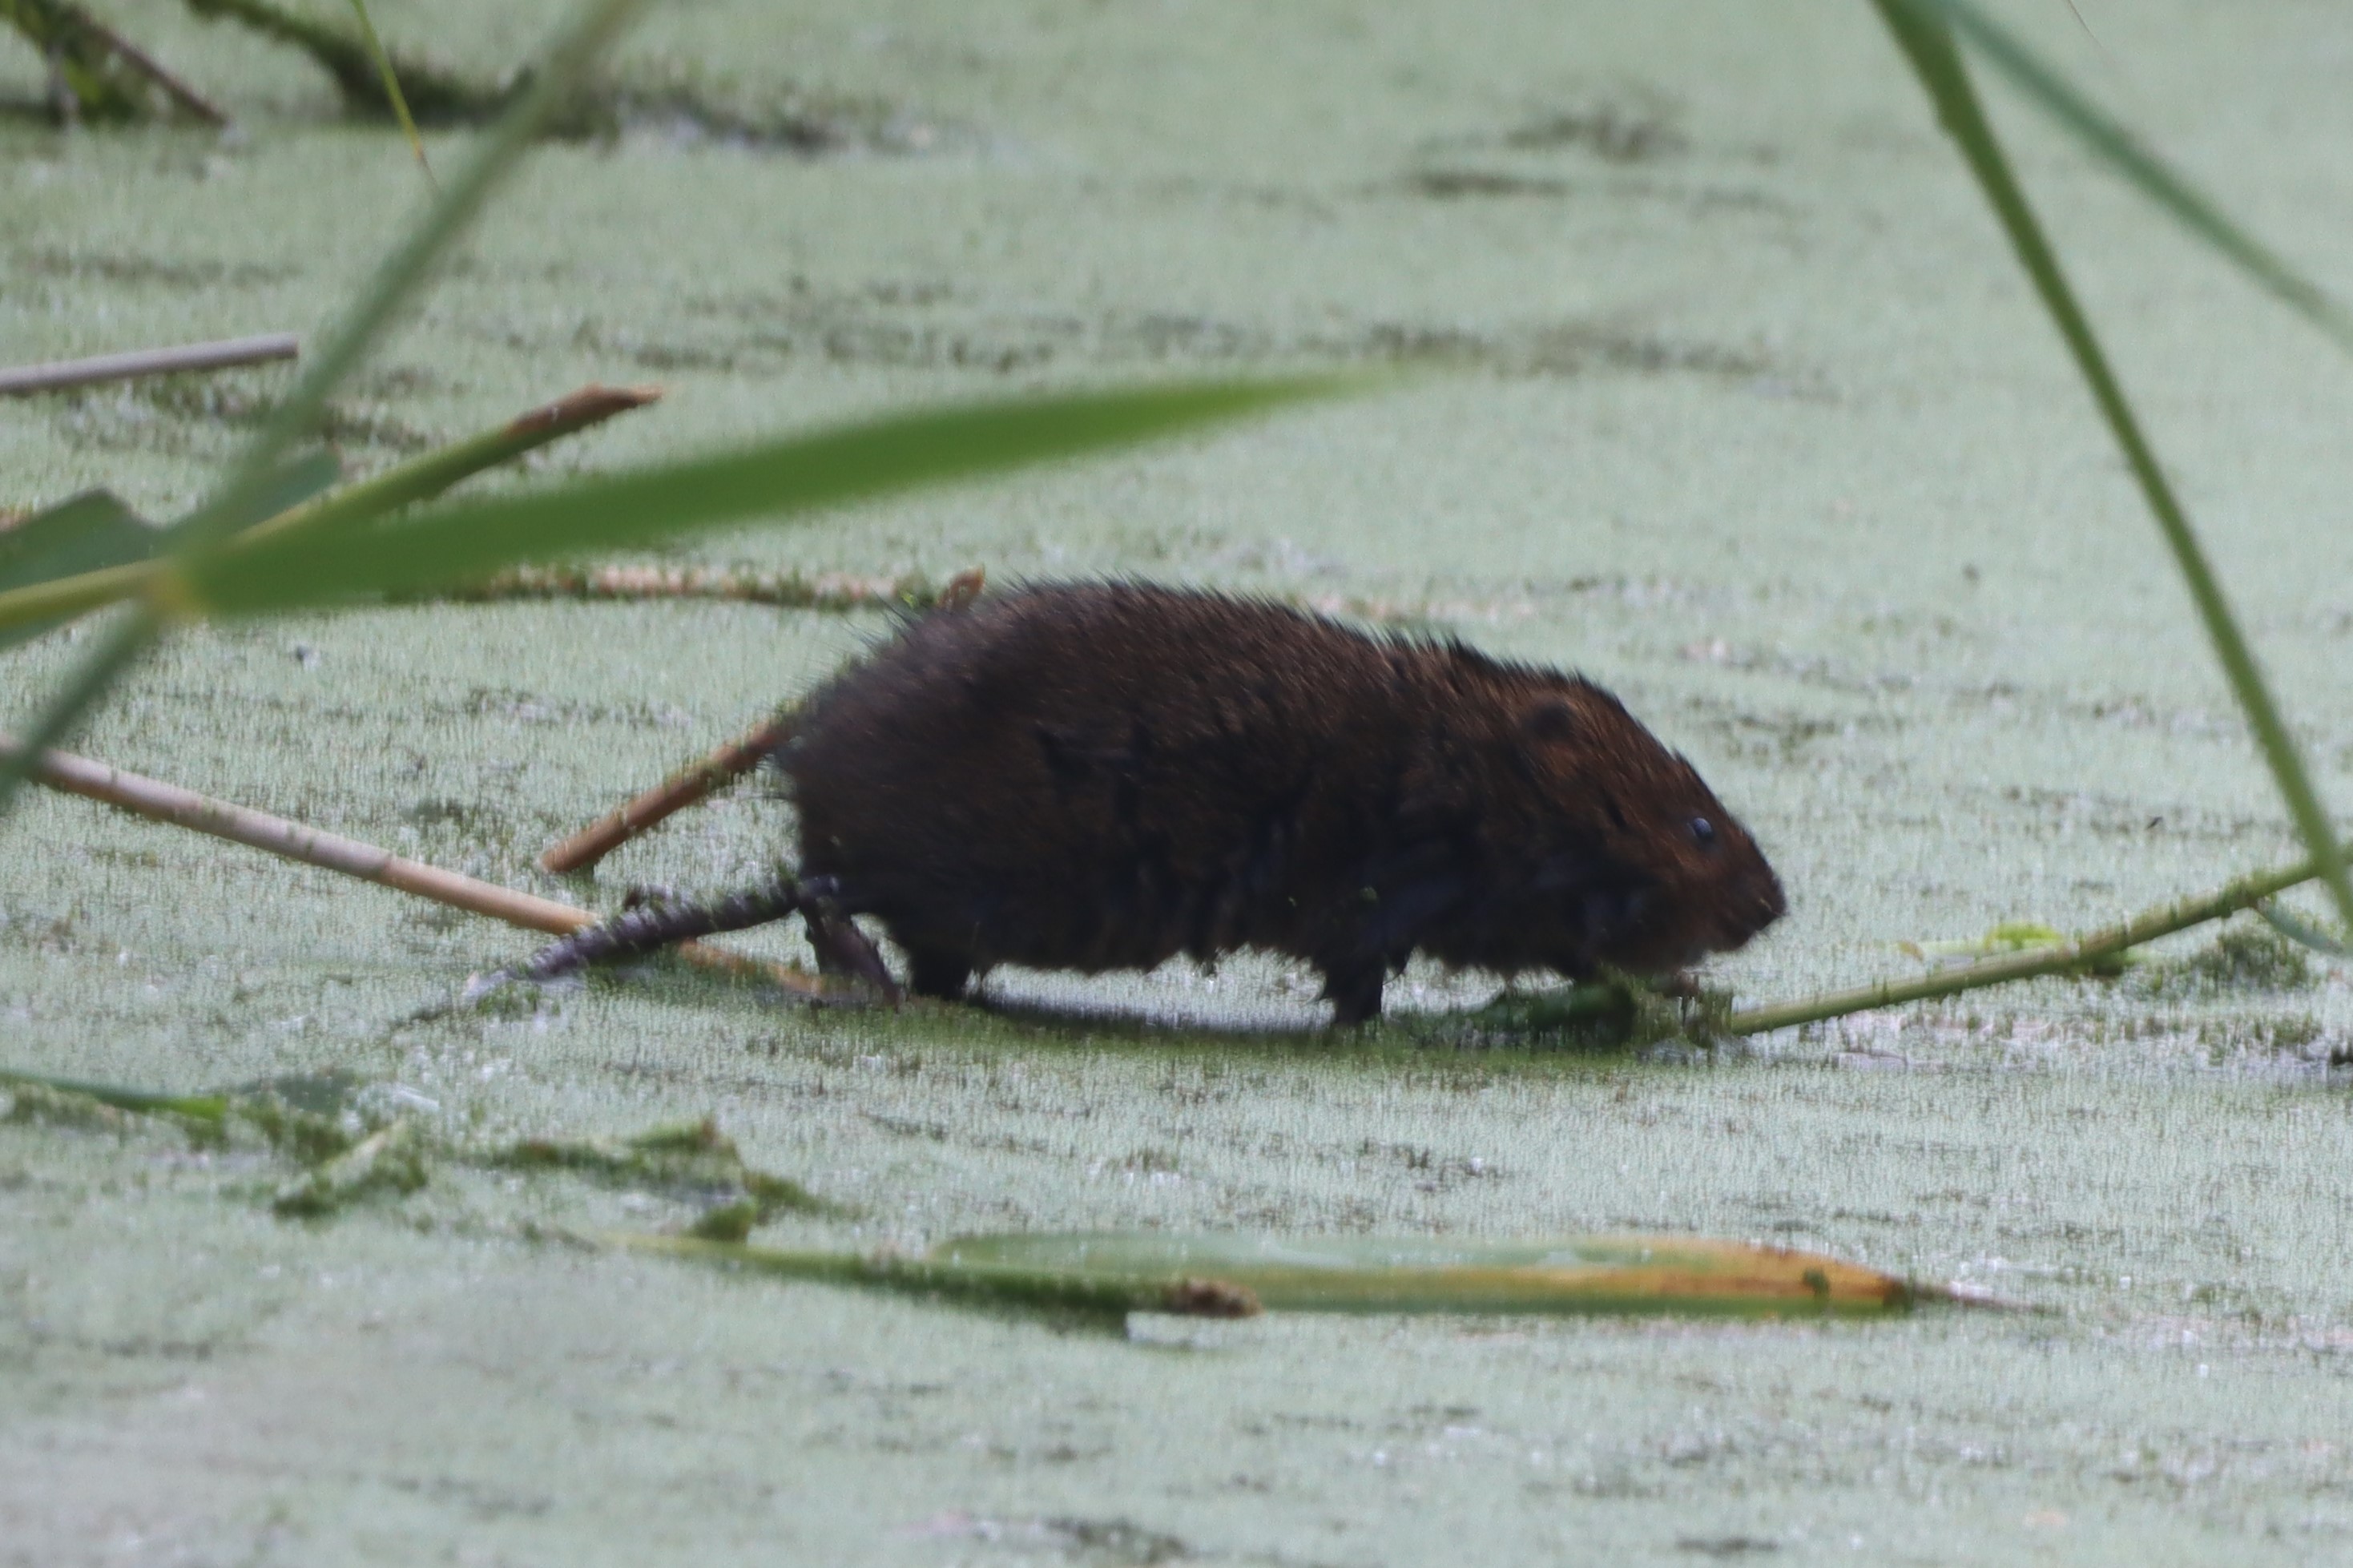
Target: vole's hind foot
(657,926)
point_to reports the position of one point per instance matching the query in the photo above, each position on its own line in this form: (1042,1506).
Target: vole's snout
(1756,905)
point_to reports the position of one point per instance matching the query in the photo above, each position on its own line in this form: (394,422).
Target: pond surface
(1726,393)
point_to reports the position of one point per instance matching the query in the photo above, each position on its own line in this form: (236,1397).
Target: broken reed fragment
(169,803)
(225,354)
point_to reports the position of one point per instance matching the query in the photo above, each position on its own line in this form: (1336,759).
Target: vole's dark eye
(1702,833)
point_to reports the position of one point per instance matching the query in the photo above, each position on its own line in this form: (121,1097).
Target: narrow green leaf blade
(1920,30)
(792,476)
(2114,145)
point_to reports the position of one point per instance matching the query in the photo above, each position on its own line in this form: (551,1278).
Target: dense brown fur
(1100,777)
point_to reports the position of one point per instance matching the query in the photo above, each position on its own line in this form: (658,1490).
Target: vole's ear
(1551,720)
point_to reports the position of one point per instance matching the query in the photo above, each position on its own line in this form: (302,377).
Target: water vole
(1102,776)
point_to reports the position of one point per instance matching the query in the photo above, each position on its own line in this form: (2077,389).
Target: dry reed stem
(424,477)
(785,590)
(58,375)
(697,780)
(169,803)
(673,794)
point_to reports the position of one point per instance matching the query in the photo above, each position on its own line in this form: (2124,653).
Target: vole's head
(1644,868)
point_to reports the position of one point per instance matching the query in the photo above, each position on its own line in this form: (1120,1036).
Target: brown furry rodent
(1102,776)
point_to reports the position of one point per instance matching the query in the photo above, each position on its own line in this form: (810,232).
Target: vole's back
(1102,776)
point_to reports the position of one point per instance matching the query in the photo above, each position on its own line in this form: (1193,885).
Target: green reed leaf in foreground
(396,279)
(792,476)
(1926,44)
(1236,1274)
(2116,146)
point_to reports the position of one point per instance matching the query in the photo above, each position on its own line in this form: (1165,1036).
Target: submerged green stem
(2248,892)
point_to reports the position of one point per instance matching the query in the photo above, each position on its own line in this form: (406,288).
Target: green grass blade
(146,1102)
(391,87)
(2110,140)
(396,280)
(792,476)
(1920,31)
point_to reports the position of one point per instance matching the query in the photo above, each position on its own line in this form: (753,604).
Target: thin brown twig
(672,795)
(148,66)
(698,779)
(288,840)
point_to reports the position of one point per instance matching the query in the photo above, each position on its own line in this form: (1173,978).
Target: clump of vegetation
(693,1162)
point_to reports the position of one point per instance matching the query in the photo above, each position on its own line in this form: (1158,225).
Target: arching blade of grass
(396,279)
(785,478)
(1920,31)
(392,93)
(2109,138)
(1238,1274)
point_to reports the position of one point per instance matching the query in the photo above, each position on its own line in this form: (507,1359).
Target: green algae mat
(1723,389)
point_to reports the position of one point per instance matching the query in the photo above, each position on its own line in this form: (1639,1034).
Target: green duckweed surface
(1727,393)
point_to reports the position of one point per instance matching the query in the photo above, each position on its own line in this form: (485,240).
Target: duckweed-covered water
(1729,396)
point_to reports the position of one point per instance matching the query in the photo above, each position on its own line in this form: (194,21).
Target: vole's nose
(1760,903)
